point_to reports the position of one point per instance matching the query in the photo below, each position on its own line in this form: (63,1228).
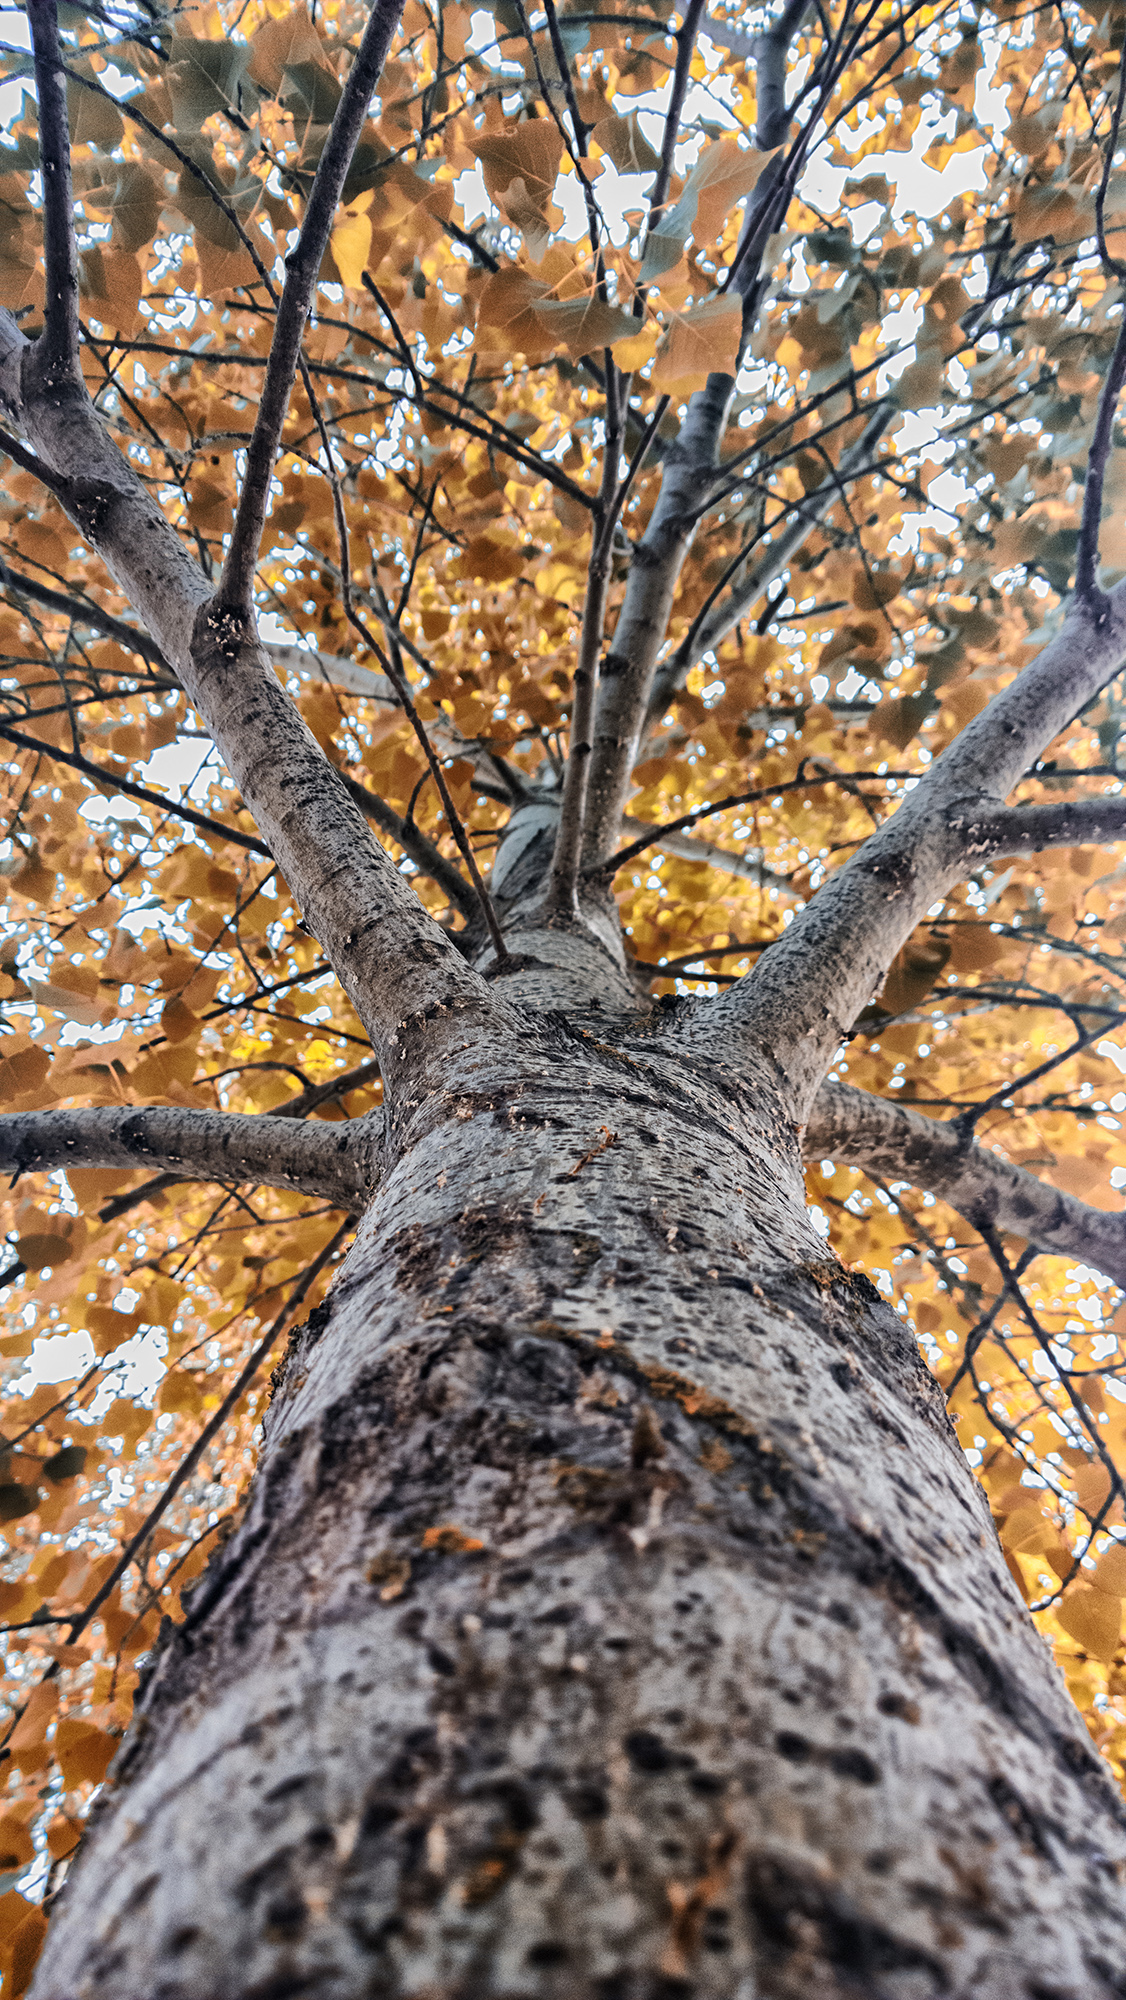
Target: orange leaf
(84,1752)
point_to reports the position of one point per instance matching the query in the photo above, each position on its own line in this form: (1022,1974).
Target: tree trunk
(614,1615)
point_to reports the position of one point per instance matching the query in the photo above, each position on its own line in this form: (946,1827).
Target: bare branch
(685,43)
(392,959)
(82,612)
(333,1161)
(59,344)
(807,990)
(115,781)
(715,621)
(894,1143)
(302,267)
(1087,588)
(1031,829)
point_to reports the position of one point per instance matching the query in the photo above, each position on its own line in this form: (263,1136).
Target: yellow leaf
(351,243)
(724,173)
(637,348)
(1093,1619)
(507,302)
(34,1722)
(583,324)
(20,1952)
(62,1837)
(41,1253)
(181,1394)
(702,342)
(531,154)
(1110,1571)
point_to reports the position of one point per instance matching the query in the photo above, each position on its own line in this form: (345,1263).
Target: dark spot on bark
(588,1802)
(548,1952)
(795,1749)
(853,1764)
(379,1814)
(285,1786)
(181,1939)
(879,1862)
(785,1903)
(843,1375)
(898,1704)
(706,1783)
(894,872)
(548,1364)
(842,1614)
(516,1801)
(440,1661)
(560,1614)
(142,1892)
(1029,1825)
(647,1753)
(249,1887)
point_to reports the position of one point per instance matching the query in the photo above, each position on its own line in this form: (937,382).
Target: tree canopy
(556,227)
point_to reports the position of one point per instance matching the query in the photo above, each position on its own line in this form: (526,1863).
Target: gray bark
(897,1143)
(614,1614)
(333,1161)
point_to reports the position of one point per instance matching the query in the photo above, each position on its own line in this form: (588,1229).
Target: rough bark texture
(615,1614)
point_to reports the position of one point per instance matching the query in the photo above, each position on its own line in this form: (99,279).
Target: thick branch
(808,989)
(302,267)
(1030,829)
(626,687)
(333,1162)
(898,1144)
(392,960)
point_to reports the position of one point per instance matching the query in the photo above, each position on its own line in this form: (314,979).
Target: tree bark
(614,1615)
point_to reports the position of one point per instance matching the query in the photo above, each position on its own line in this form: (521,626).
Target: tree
(621,719)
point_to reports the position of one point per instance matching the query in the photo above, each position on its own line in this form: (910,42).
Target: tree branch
(688,475)
(236,586)
(805,993)
(392,959)
(60,257)
(1087,588)
(894,1143)
(108,780)
(334,1162)
(1030,829)
(715,621)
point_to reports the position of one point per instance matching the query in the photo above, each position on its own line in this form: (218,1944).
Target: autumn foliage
(492,267)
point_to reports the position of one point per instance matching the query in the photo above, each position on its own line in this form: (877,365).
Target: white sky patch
(15,32)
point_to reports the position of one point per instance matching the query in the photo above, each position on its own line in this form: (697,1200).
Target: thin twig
(188,1464)
(113,780)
